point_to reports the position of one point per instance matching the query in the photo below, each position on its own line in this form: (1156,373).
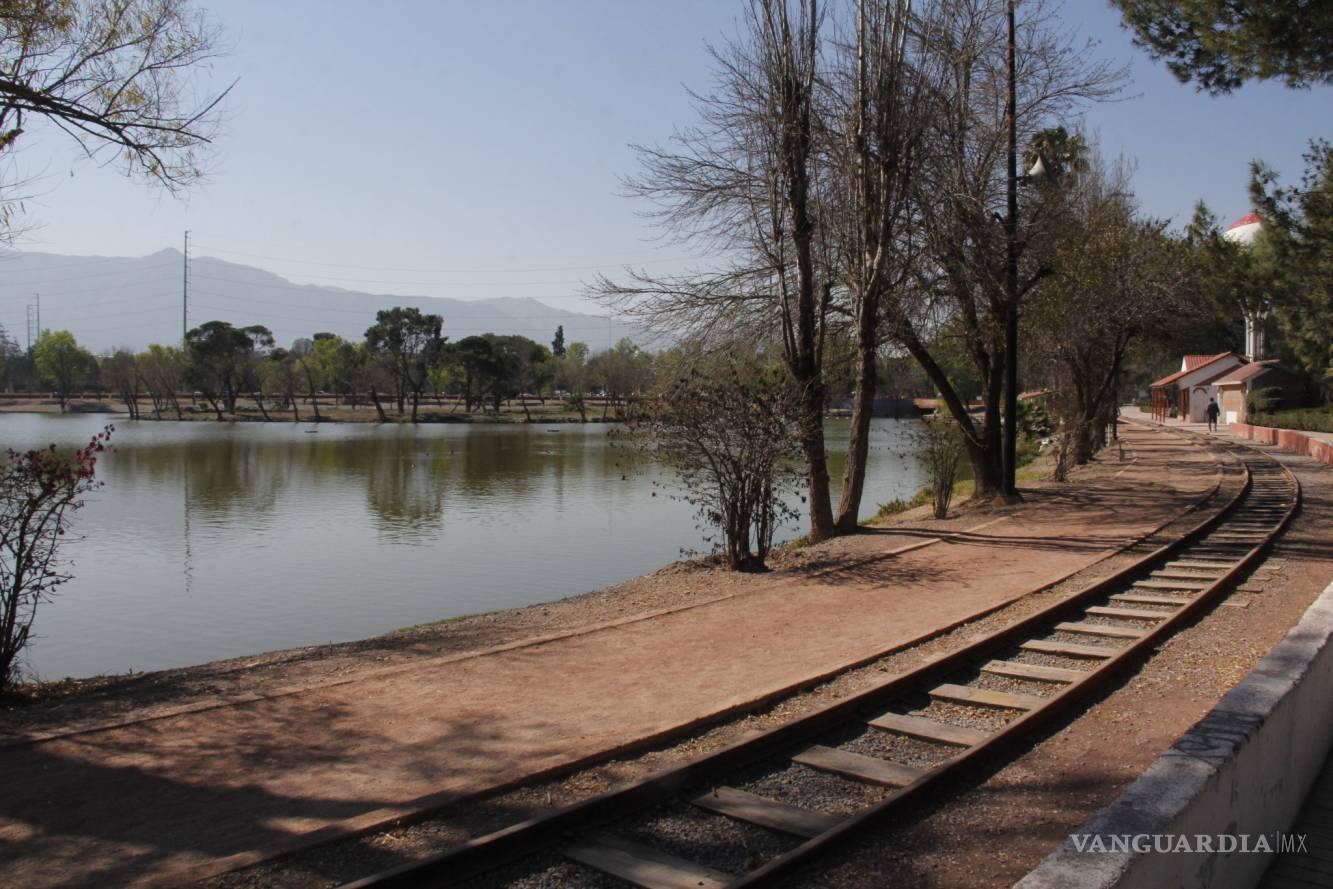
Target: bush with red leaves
(39,489)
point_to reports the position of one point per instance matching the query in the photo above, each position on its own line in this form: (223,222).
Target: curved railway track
(899,742)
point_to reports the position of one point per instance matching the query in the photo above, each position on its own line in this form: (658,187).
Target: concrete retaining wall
(1244,768)
(1287,439)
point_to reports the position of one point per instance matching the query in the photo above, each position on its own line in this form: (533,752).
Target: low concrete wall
(1288,440)
(1244,768)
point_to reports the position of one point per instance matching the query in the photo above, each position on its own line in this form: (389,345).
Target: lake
(215,540)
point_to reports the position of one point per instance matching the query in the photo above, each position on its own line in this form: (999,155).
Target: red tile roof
(1247,219)
(1193,361)
(1246,372)
(1171,378)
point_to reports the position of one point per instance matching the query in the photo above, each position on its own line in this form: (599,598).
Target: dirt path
(182,796)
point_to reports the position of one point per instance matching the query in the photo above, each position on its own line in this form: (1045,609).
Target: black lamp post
(1009,452)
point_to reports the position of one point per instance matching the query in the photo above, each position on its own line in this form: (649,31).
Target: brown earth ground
(75,843)
(999,829)
(992,832)
(161,778)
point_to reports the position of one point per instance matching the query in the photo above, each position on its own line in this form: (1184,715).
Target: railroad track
(870,757)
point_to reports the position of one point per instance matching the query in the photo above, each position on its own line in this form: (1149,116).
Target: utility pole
(1010,450)
(185,290)
(34,320)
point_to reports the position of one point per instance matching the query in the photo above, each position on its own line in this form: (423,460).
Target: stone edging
(1287,439)
(1244,768)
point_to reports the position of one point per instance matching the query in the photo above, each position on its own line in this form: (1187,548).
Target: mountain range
(113,302)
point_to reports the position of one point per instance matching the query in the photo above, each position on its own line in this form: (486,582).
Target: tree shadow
(156,803)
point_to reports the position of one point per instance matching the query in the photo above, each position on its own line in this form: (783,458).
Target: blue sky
(473,149)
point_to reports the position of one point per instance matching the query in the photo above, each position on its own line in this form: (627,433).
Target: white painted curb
(1245,768)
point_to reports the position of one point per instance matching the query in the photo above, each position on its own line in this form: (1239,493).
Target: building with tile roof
(1186,393)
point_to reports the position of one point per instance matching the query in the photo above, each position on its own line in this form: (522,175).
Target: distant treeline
(403,359)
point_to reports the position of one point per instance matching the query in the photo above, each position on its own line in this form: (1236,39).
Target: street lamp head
(1038,171)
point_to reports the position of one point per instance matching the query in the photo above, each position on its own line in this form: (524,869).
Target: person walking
(1213,411)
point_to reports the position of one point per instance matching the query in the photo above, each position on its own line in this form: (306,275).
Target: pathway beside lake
(183,796)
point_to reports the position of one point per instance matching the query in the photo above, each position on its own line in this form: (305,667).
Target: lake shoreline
(211,542)
(426,414)
(70,703)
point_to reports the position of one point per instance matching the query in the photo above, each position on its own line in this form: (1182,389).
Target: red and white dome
(1244,230)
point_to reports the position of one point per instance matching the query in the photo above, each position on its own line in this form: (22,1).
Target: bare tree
(960,289)
(1118,278)
(120,371)
(748,182)
(162,369)
(879,107)
(118,76)
(723,423)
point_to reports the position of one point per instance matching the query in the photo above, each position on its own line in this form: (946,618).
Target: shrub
(897,505)
(1314,420)
(941,452)
(723,423)
(1265,401)
(38,491)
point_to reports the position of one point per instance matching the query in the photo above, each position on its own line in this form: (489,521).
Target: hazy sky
(476,146)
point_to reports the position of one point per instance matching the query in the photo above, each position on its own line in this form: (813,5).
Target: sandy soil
(993,834)
(285,744)
(987,836)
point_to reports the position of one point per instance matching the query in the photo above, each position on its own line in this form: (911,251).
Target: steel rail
(502,847)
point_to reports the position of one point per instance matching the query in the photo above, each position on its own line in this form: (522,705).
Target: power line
(369,314)
(291,285)
(43,280)
(384,268)
(98,303)
(85,261)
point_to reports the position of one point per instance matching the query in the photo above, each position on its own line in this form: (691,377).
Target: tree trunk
(987,473)
(415,400)
(810,411)
(259,400)
(314,397)
(983,445)
(379,409)
(863,407)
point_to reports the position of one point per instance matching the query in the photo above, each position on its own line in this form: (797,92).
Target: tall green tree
(479,368)
(220,360)
(523,368)
(1298,233)
(1220,44)
(62,362)
(571,377)
(408,344)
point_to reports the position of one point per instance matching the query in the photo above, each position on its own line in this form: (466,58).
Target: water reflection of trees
(410,476)
(405,487)
(219,477)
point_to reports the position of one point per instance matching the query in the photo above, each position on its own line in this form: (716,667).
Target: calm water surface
(214,540)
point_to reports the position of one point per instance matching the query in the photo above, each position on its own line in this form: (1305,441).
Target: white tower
(1243,231)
